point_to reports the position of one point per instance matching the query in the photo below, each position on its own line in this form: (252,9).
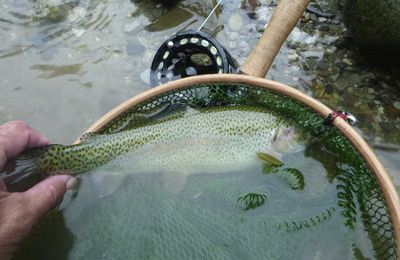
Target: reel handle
(283,20)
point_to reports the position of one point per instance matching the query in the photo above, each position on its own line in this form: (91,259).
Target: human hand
(19,211)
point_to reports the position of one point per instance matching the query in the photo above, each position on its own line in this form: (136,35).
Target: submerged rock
(235,22)
(396,104)
(374,26)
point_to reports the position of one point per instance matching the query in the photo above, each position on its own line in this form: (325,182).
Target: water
(63,64)
(85,61)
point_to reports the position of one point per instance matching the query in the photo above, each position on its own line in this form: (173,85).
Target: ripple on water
(44,24)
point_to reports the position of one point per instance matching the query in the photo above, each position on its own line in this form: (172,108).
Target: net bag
(180,229)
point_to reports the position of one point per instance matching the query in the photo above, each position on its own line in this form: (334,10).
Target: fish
(216,139)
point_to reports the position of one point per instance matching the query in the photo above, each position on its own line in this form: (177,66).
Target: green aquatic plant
(291,176)
(295,225)
(346,198)
(244,198)
(252,200)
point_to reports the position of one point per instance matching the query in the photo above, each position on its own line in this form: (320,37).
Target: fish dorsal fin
(156,110)
(86,137)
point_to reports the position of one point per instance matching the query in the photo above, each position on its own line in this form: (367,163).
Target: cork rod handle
(283,20)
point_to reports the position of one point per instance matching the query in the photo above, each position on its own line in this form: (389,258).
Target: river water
(65,63)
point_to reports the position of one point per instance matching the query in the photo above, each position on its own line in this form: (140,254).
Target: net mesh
(167,229)
(159,229)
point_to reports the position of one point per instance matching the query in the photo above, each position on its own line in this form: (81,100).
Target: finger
(16,136)
(36,139)
(47,194)
(2,186)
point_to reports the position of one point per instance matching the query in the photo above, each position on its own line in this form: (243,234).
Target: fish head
(288,139)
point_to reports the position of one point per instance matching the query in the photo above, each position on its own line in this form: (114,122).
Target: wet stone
(324,73)
(396,105)
(293,57)
(158,11)
(392,112)
(318,90)
(324,28)
(234,36)
(354,78)
(311,62)
(253,15)
(291,44)
(329,89)
(313,17)
(361,106)
(331,50)
(260,28)
(334,77)
(134,48)
(336,20)
(387,126)
(347,62)
(323,65)
(130,27)
(235,22)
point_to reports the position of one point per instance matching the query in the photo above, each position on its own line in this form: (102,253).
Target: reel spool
(188,54)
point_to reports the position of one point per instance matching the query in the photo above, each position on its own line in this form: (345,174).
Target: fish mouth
(288,140)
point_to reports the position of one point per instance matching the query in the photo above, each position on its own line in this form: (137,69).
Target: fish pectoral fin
(174,182)
(269,158)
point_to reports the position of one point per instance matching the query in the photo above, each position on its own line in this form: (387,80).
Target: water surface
(63,64)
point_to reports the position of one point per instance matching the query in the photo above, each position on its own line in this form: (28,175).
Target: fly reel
(187,54)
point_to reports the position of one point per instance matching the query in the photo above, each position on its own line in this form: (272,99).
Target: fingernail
(44,140)
(70,184)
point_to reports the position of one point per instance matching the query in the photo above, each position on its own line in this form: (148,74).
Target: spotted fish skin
(258,128)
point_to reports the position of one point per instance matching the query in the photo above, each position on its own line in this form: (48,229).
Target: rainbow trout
(190,141)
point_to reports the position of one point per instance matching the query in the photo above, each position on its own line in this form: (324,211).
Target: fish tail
(25,170)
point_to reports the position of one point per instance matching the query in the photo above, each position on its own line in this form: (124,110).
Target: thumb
(47,194)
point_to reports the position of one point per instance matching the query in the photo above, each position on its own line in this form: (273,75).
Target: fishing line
(208,17)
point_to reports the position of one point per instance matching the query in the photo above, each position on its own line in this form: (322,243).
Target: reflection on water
(51,71)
